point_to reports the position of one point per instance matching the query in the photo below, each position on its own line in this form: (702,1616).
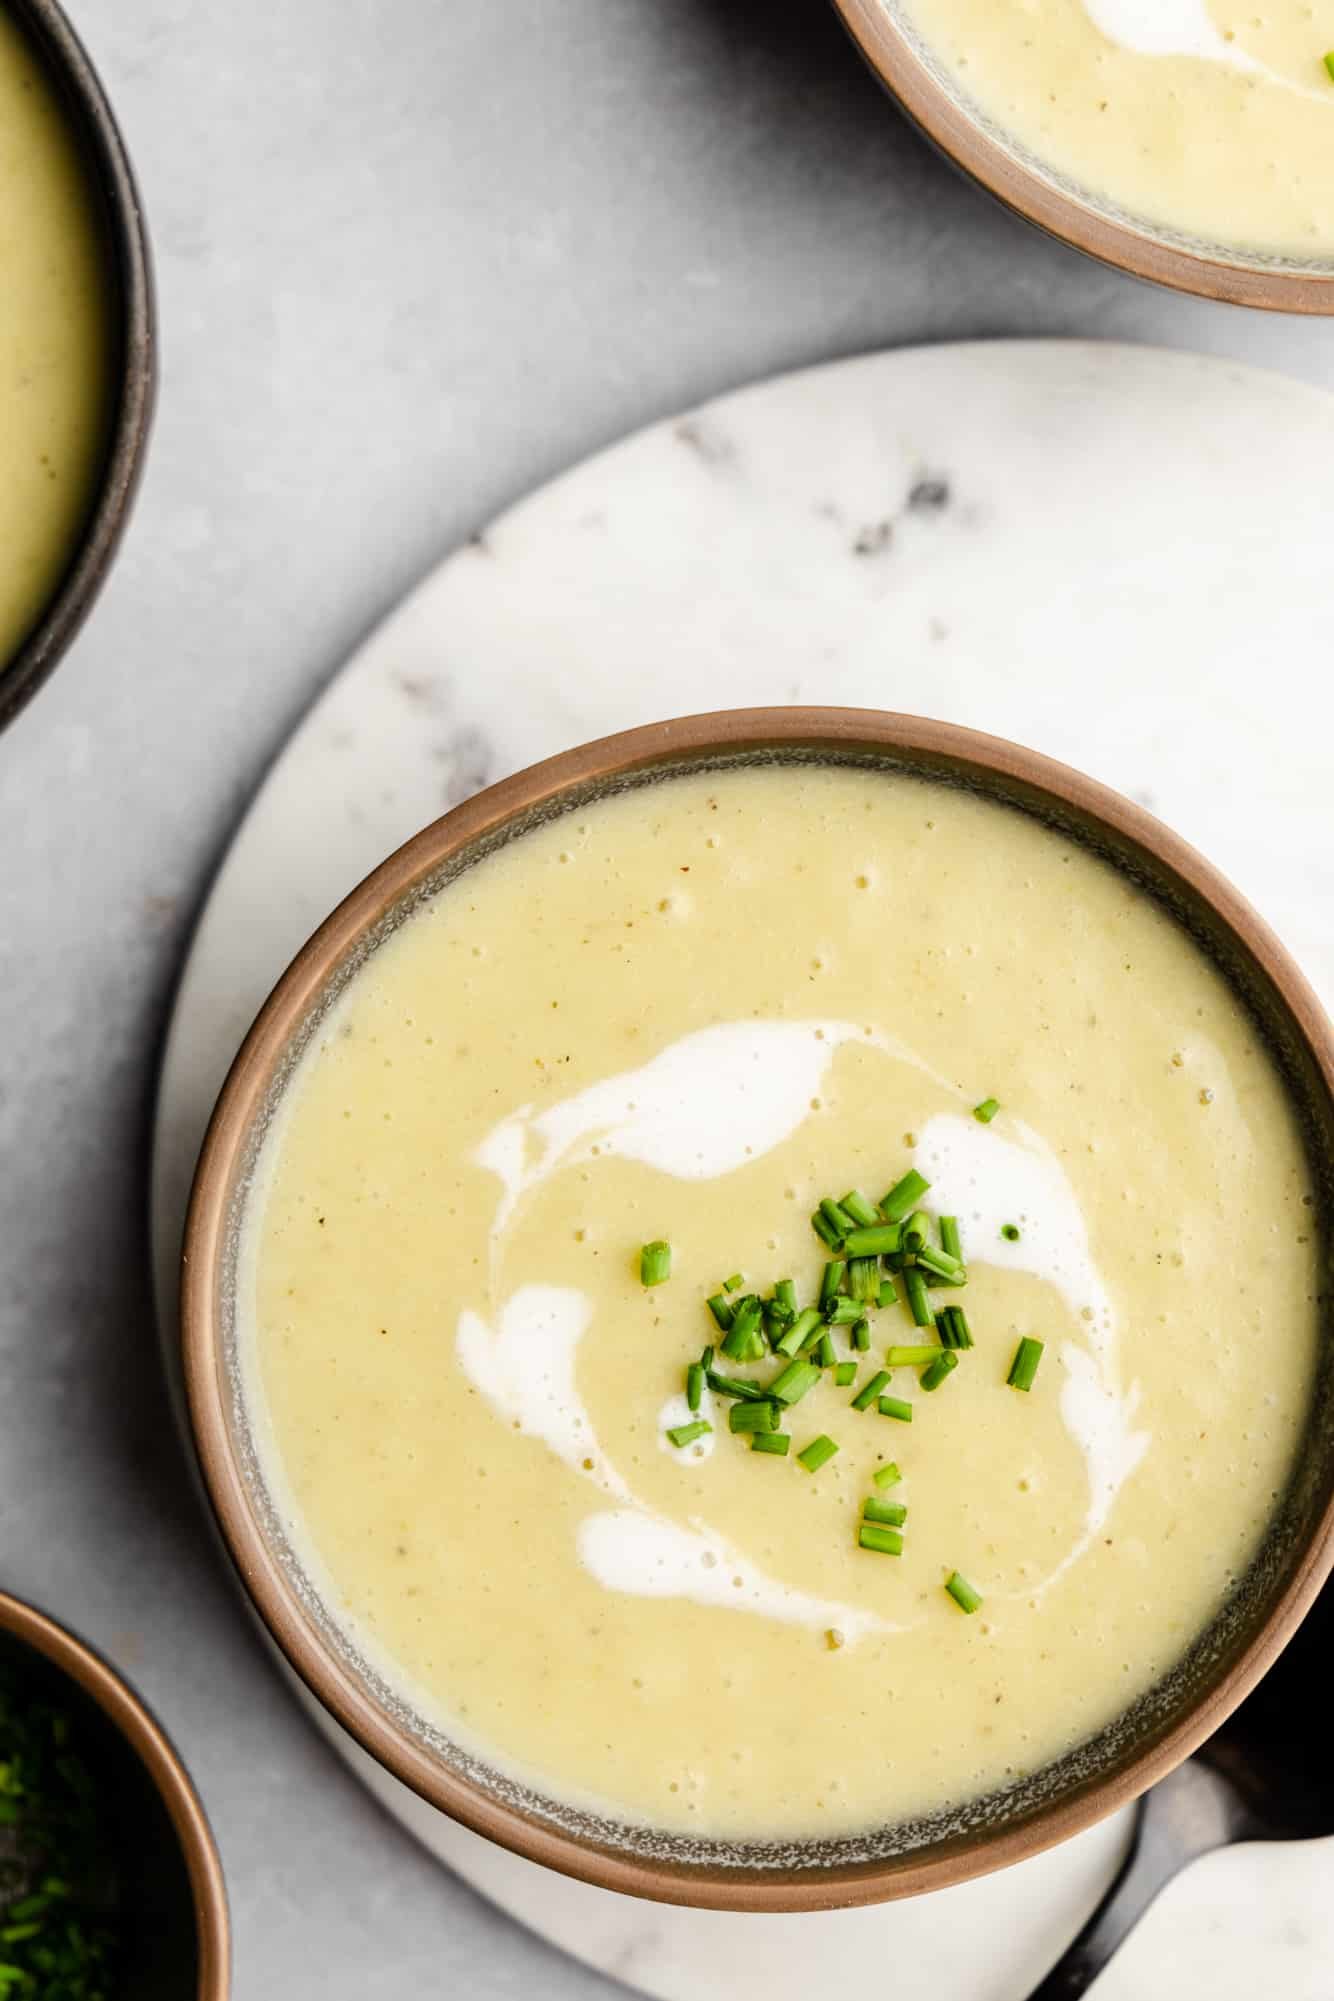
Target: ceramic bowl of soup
(1185,141)
(77,346)
(753,1308)
(109,1877)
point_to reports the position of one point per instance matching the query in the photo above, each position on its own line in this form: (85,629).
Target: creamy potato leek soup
(681,1496)
(55,339)
(1214,120)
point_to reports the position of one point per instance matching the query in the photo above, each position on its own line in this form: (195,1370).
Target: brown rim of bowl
(938,746)
(962,138)
(155,1752)
(61,51)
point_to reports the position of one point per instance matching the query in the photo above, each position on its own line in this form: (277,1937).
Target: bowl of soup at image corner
(1185,141)
(753,1308)
(77,342)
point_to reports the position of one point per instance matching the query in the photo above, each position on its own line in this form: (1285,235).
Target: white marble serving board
(1118,555)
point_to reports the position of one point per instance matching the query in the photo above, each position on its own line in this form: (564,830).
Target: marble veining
(1057,541)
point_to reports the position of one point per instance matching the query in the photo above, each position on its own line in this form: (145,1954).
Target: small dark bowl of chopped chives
(110,1884)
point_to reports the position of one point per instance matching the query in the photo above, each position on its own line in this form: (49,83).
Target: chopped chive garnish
(950,1241)
(694,1385)
(825,1231)
(903,1196)
(944,1365)
(886,1476)
(813,1339)
(733,1386)
(753,1417)
(986,1111)
(1329,64)
(837,1218)
(1025,1364)
(776,1442)
(735,1282)
(721,1311)
(843,1313)
(952,1326)
(826,1354)
(864,1279)
(892,1513)
(855,1204)
(895,1407)
(962,1592)
(1010,1232)
(916,1231)
(785,1292)
(886,1542)
(790,1385)
(818,1453)
(919,1305)
(886,1294)
(686,1434)
(861,1336)
(831,1281)
(806,1323)
(870,1390)
(941,1265)
(845,1373)
(739,1343)
(706,1360)
(875,1241)
(917,1356)
(655,1263)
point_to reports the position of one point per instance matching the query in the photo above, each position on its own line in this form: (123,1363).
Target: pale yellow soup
(55,340)
(686,1013)
(1212,119)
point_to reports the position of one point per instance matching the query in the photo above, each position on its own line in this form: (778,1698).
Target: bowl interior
(1079,213)
(132,363)
(894,1859)
(147,1895)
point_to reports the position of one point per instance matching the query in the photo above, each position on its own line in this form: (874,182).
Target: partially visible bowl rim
(1138,250)
(45,23)
(245,1091)
(159,1757)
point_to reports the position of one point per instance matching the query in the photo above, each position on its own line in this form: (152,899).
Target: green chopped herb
(945,1364)
(844,1312)
(794,1339)
(876,1240)
(777,1442)
(813,1339)
(734,1386)
(864,1279)
(825,1231)
(950,1240)
(845,1374)
(735,1282)
(785,1292)
(861,1335)
(1329,64)
(952,1326)
(686,1434)
(895,1407)
(986,1111)
(837,1218)
(962,1592)
(831,1281)
(826,1354)
(1024,1367)
(862,1212)
(916,1232)
(903,1196)
(917,1356)
(818,1453)
(870,1390)
(892,1513)
(706,1360)
(887,1476)
(919,1305)
(753,1417)
(886,1294)
(886,1542)
(791,1384)
(1010,1232)
(941,1265)
(655,1263)
(721,1311)
(694,1384)
(743,1341)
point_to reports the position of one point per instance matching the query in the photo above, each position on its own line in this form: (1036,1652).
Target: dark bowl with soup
(77,343)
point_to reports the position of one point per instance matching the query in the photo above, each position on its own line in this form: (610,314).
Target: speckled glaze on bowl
(904,64)
(181,1948)
(134,371)
(1106,1772)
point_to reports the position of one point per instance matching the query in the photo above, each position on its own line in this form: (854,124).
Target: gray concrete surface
(414,256)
